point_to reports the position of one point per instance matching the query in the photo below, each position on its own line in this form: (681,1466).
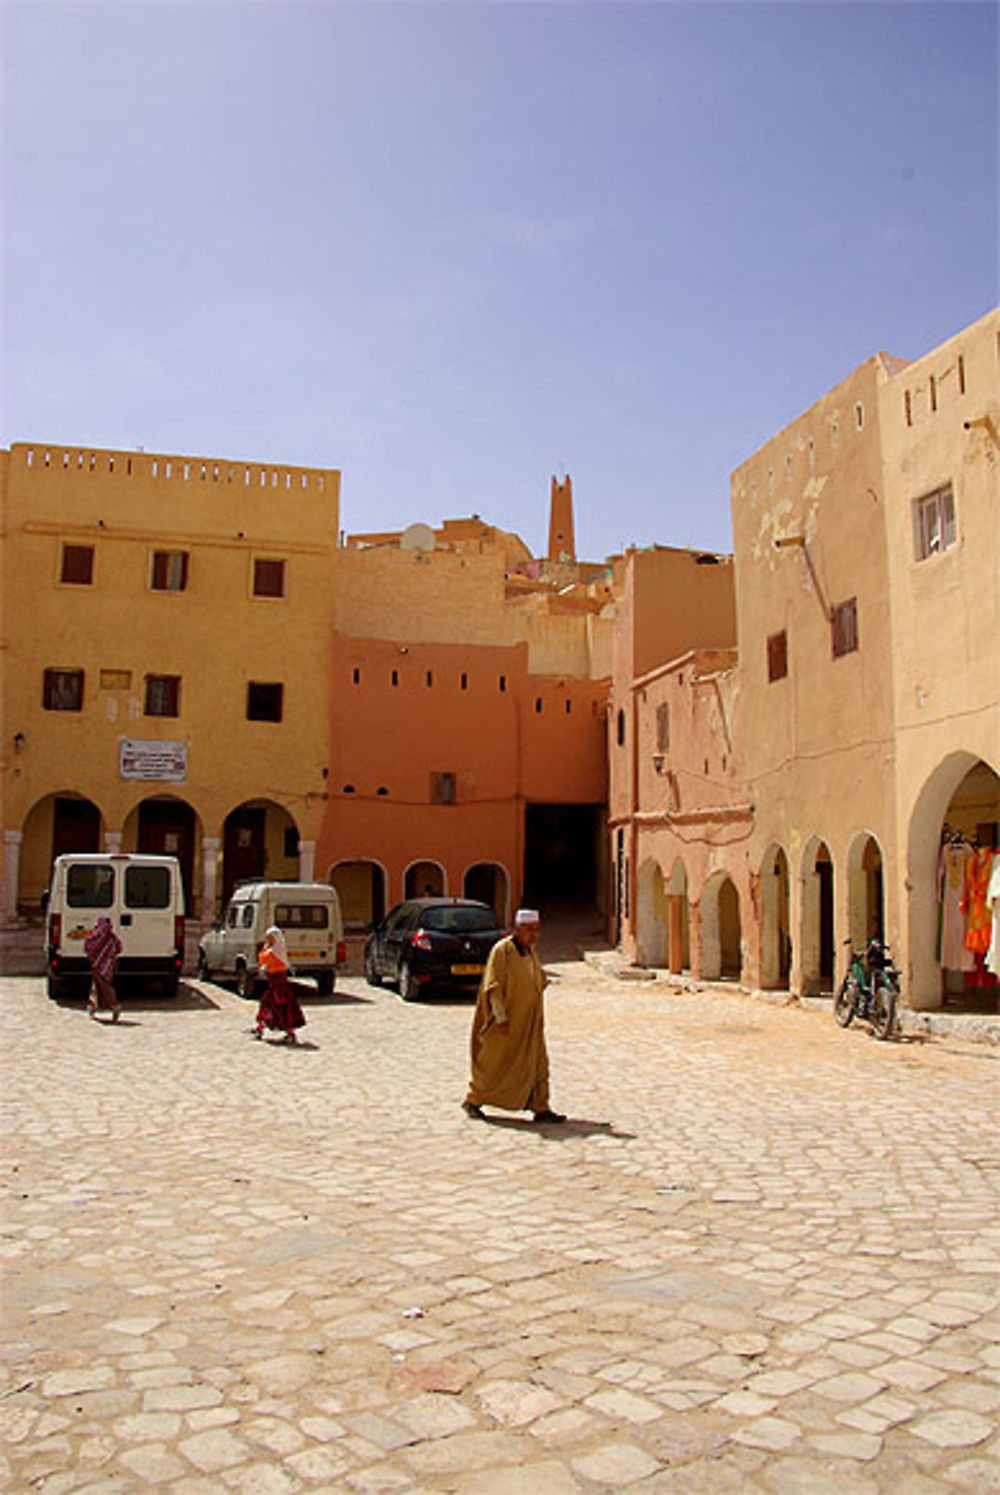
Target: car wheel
(54,987)
(371,970)
(408,988)
(246,982)
(204,971)
(325,983)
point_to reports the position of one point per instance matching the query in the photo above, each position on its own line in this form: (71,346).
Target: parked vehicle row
(422,942)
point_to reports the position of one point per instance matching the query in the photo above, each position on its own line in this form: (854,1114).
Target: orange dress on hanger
(975,883)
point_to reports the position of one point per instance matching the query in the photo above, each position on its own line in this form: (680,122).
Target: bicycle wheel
(883,1009)
(845,1003)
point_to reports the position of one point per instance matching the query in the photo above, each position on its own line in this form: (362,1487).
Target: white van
(142,895)
(308,915)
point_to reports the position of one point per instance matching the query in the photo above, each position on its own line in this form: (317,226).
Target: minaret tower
(562,544)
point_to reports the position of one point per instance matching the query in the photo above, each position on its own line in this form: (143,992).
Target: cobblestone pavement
(761,1257)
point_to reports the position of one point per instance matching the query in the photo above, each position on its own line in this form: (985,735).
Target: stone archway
(678,919)
(59,822)
(259,840)
(816,944)
(775,926)
(964,793)
(360,887)
(865,891)
(651,918)
(424,879)
(721,932)
(488,882)
(166,825)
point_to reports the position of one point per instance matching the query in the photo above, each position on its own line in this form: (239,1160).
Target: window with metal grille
(934,527)
(268,578)
(77,565)
(265,702)
(63,690)
(169,570)
(844,627)
(163,695)
(777,656)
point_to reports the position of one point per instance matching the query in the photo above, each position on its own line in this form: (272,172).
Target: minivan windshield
(457,920)
(147,887)
(90,885)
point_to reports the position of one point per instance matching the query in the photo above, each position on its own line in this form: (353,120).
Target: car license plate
(466,970)
(304,954)
(78,934)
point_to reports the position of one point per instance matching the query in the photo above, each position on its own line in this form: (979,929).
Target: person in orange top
(279,1009)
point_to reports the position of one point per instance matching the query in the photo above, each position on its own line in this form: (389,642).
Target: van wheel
(325,983)
(169,986)
(246,984)
(54,987)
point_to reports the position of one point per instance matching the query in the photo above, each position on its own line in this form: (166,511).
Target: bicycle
(869,990)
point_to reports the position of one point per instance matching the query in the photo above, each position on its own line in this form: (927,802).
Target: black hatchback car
(431,941)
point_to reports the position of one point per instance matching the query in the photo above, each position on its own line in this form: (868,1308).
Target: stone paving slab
(762,1256)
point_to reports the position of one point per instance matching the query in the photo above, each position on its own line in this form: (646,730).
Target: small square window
(934,526)
(63,690)
(169,570)
(442,788)
(77,565)
(777,656)
(268,578)
(264,702)
(844,627)
(163,695)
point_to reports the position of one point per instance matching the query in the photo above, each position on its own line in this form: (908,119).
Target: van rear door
(147,905)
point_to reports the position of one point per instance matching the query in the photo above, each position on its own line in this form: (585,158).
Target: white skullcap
(527,916)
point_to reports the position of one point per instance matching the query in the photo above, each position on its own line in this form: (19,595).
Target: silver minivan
(308,915)
(142,895)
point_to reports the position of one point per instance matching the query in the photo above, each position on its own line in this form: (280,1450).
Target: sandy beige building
(864,726)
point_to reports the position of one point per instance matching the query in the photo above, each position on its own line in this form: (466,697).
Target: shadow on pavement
(573,1126)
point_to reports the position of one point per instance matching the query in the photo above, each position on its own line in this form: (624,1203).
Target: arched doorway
(259,840)
(775,929)
(165,826)
(487,881)
(678,920)
(361,889)
(56,824)
(865,891)
(424,880)
(955,816)
(721,933)
(651,918)
(816,952)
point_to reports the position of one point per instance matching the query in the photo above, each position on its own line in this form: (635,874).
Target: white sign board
(152,760)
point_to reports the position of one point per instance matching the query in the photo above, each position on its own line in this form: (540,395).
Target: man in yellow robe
(510,1065)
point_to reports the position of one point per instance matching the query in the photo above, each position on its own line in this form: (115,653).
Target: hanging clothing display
(993,904)
(975,883)
(953,955)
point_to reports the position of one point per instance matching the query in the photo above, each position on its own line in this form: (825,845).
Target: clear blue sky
(453,249)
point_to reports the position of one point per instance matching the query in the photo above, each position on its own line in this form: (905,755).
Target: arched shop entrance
(816,954)
(952,845)
(721,934)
